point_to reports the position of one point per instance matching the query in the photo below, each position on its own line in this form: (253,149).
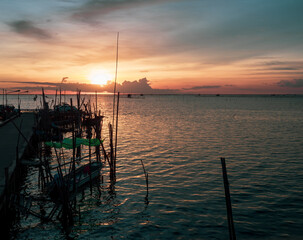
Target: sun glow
(99,76)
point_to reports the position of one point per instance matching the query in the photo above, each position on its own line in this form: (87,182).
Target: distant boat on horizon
(135,96)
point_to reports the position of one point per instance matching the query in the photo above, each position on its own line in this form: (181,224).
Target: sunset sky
(189,46)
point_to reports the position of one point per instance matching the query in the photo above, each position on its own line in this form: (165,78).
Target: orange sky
(188,46)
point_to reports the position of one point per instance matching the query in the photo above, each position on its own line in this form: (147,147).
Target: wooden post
(79,127)
(60,97)
(55,98)
(111,152)
(98,135)
(74,152)
(90,165)
(96,95)
(78,99)
(232,234)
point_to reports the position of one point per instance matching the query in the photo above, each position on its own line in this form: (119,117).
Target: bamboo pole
(60,97)
(146,180)
(116,138)
(97,127)
(117,55)
(79,125)
(74,144)
(104,153)
(111,151)
(231,228)
(78,99)
(56,98)
(96,96)
(90,166)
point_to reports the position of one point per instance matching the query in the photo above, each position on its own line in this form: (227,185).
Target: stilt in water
(146,180)
(116,138)
(232,234)
(111,160)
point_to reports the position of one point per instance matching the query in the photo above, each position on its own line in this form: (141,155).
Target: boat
(136,96)
(7,111)
(65,107)
(83,176)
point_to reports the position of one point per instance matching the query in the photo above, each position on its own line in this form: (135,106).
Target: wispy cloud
(285,68)
(295,83)
(275,68)
(281,65)
(27,28)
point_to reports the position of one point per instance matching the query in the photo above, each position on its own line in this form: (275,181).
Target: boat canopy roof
(68,143)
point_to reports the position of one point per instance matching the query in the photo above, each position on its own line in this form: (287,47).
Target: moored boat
(83,175)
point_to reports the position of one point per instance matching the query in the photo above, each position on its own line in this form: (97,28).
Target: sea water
(180,139)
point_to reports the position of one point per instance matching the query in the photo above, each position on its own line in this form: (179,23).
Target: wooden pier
(14,138)
(66,127)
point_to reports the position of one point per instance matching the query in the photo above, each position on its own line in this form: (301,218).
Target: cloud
(93,9)
(295,83)
(285,68)
(276,68)
(139,86)
(28,29)
(201,87)
(281,65)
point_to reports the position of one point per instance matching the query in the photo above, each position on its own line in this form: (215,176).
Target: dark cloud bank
(140,86)
(295,83)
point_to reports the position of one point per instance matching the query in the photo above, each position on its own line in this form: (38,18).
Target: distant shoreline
(173,94)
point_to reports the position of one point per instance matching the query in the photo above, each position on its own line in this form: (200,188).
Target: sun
(99,76)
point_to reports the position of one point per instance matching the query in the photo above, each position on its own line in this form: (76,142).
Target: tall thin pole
(18,103)
(96,96)
(56,98)
(117,54)
(60,97)
(231,228)
(116,139)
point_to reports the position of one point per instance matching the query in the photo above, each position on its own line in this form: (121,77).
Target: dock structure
(14,138)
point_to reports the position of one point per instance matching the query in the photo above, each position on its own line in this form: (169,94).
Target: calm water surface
(181,139)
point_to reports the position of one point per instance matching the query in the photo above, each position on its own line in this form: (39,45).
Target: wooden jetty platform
(13,143)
